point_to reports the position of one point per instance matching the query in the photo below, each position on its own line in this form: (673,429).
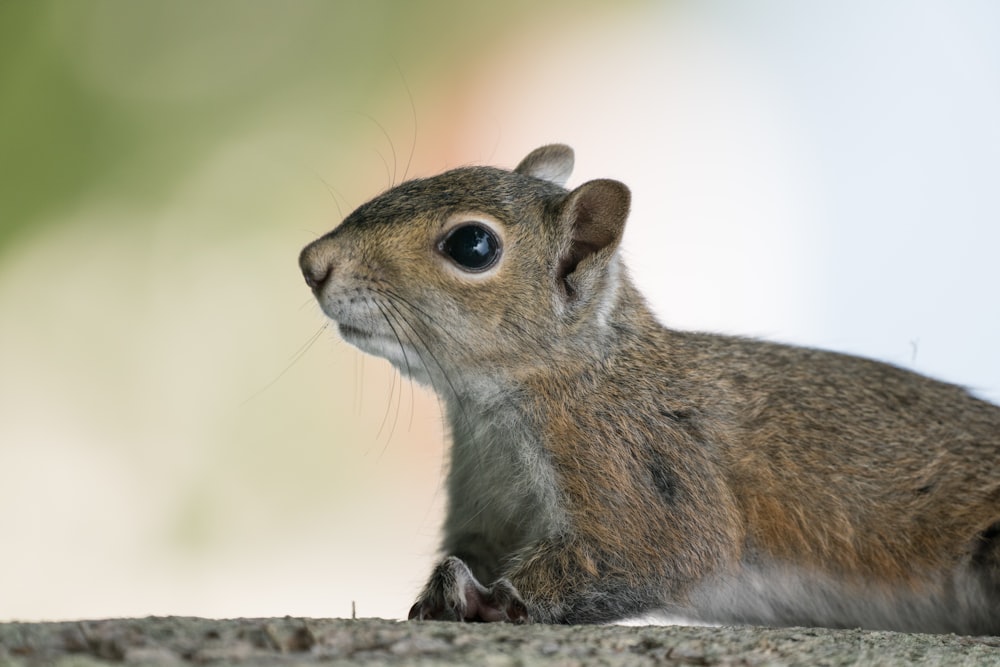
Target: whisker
(392,146)
(413,113)
(454,392)
(406,361)
(388,407)
(333,194)
(409,369)
(420,312)
(499,136)
(416,348)
(293,360)
(389,176)
(307,302)
(509,325)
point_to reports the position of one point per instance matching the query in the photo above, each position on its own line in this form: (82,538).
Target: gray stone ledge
(298,641)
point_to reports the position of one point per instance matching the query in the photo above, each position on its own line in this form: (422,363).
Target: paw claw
(454,594)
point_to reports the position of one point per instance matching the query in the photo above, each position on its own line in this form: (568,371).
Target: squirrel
(603,466)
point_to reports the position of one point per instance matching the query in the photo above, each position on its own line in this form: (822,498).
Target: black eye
(473,247)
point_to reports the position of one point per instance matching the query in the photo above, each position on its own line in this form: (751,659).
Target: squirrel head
(477,270)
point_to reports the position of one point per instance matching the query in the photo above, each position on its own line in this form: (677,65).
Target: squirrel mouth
(352,333)
(348,331)
(358,336)
(381,344)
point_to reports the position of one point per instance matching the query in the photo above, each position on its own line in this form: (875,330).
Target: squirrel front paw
(454,594)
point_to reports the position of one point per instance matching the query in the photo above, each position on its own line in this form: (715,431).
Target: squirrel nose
(315,266)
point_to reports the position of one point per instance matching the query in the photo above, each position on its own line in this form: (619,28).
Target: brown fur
(605,466)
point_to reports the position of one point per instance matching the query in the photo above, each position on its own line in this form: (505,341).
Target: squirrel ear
(594,215)
(552,163)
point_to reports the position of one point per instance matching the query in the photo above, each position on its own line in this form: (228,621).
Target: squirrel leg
(454,594)
(569,581)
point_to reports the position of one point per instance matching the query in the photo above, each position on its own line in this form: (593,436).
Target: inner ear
(594,215)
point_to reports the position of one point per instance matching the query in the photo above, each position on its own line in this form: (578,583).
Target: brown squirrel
(603,466)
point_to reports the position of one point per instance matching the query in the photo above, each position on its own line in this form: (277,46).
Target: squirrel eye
(473,247)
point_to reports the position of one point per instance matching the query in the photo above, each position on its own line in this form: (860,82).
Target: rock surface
(296,641)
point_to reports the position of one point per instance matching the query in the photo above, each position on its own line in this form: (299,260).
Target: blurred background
(179,433)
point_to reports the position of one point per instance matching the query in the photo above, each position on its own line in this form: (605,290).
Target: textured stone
(175,641)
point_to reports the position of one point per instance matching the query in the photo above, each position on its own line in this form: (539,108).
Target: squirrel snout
(316,266)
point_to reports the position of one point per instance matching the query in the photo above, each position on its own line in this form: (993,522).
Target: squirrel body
(604,466)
